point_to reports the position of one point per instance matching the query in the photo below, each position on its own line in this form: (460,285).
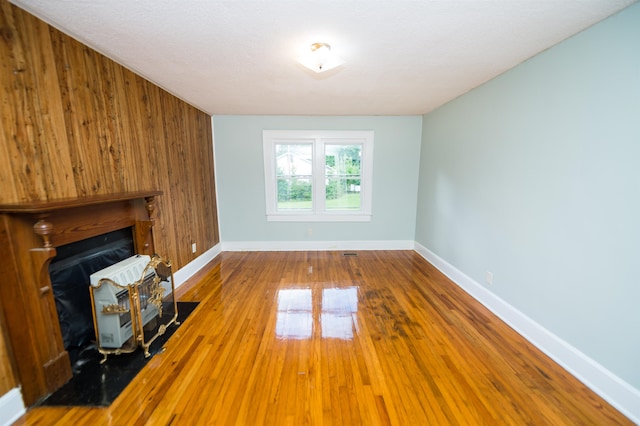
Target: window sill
(318,218)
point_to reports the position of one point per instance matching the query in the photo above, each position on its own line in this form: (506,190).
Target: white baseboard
(11,407)
(187,271)
(316,245)
(610,387)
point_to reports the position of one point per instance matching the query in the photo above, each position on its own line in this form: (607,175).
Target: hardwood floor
(283,338)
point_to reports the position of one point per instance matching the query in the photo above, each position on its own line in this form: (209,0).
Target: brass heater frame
(144,293)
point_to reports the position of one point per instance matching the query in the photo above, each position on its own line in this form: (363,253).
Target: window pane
(342,177)
(294,176)
(294,193)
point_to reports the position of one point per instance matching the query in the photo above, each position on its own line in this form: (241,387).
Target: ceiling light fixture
(320,59)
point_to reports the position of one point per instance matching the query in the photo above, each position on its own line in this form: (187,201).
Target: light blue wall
(240,179)
(535,176)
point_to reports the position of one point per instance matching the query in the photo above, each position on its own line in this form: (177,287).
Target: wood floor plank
(318,338)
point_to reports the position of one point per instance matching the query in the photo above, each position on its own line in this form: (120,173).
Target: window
(318,175)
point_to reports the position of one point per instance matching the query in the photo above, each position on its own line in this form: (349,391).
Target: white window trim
(318,138)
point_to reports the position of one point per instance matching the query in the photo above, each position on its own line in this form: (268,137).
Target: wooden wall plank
(76,124)
(7,375)
(18,88)
(8,179)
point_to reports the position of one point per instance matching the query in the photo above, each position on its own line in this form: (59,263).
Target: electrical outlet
(488,277)
(193,247)
(309,232)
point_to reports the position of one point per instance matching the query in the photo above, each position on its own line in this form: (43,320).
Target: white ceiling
(239,57)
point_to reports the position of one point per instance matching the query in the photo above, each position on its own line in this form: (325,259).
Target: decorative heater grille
(133,303)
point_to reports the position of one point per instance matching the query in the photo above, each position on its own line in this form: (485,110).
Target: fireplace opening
(69,272)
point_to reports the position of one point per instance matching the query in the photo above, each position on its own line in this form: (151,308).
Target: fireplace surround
(29,235)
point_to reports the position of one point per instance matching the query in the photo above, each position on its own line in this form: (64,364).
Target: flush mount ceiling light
(320,59)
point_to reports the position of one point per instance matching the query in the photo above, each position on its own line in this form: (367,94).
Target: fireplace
(69,272)
(30,236)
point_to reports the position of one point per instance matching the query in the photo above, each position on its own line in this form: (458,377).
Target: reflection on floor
(333,313)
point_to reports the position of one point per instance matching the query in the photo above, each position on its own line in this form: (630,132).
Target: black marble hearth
(95,384)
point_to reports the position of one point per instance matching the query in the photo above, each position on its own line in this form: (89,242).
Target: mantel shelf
(44,206)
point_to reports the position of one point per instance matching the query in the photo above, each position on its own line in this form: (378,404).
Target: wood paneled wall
(75,123)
